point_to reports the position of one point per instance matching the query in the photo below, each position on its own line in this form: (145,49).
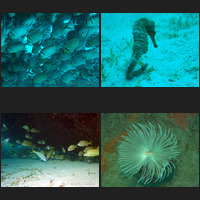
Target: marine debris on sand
(54,173)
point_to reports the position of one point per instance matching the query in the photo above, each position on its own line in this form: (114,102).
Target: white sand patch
(53,173)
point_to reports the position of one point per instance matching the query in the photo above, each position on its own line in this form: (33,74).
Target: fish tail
(90,142)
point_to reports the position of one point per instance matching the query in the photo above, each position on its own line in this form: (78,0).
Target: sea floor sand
(175,63)
(53,173)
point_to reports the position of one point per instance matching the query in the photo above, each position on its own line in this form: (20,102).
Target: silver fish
(48,51)
(40,155)
(78,60)
(29,21)
(66,66)
(89,65)
(50,65)
(40,77)
(18,31)
(93,41)
(91,54)
(39,34)
(18,67)
(60,25)
(92,21)
(67,77)
(35,37)
(87,31)
(64,56)
(84,73)
(71,45)
(16,47)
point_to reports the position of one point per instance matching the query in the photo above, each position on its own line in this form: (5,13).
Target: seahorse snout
(153,40)
(154,43)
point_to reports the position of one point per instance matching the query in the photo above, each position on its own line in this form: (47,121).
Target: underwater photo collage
(99,149)
(126,50)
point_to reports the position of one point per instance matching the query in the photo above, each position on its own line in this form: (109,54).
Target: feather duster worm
(149,152)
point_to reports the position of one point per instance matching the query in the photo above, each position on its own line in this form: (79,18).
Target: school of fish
(45,152)
(50,50)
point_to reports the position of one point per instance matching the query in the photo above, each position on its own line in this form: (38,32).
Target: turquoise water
(49,50)
(175,63)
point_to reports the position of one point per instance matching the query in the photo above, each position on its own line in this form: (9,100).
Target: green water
(185,127)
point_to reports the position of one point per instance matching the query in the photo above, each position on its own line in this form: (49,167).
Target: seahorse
(141,29)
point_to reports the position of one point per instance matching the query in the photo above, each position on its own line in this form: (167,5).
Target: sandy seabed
(175,63)
(53,173)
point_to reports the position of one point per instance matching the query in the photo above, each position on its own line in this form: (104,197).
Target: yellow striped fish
(40,155)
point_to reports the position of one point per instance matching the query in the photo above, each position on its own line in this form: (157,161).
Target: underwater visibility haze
(50,150)
(150,49)
(49,49)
